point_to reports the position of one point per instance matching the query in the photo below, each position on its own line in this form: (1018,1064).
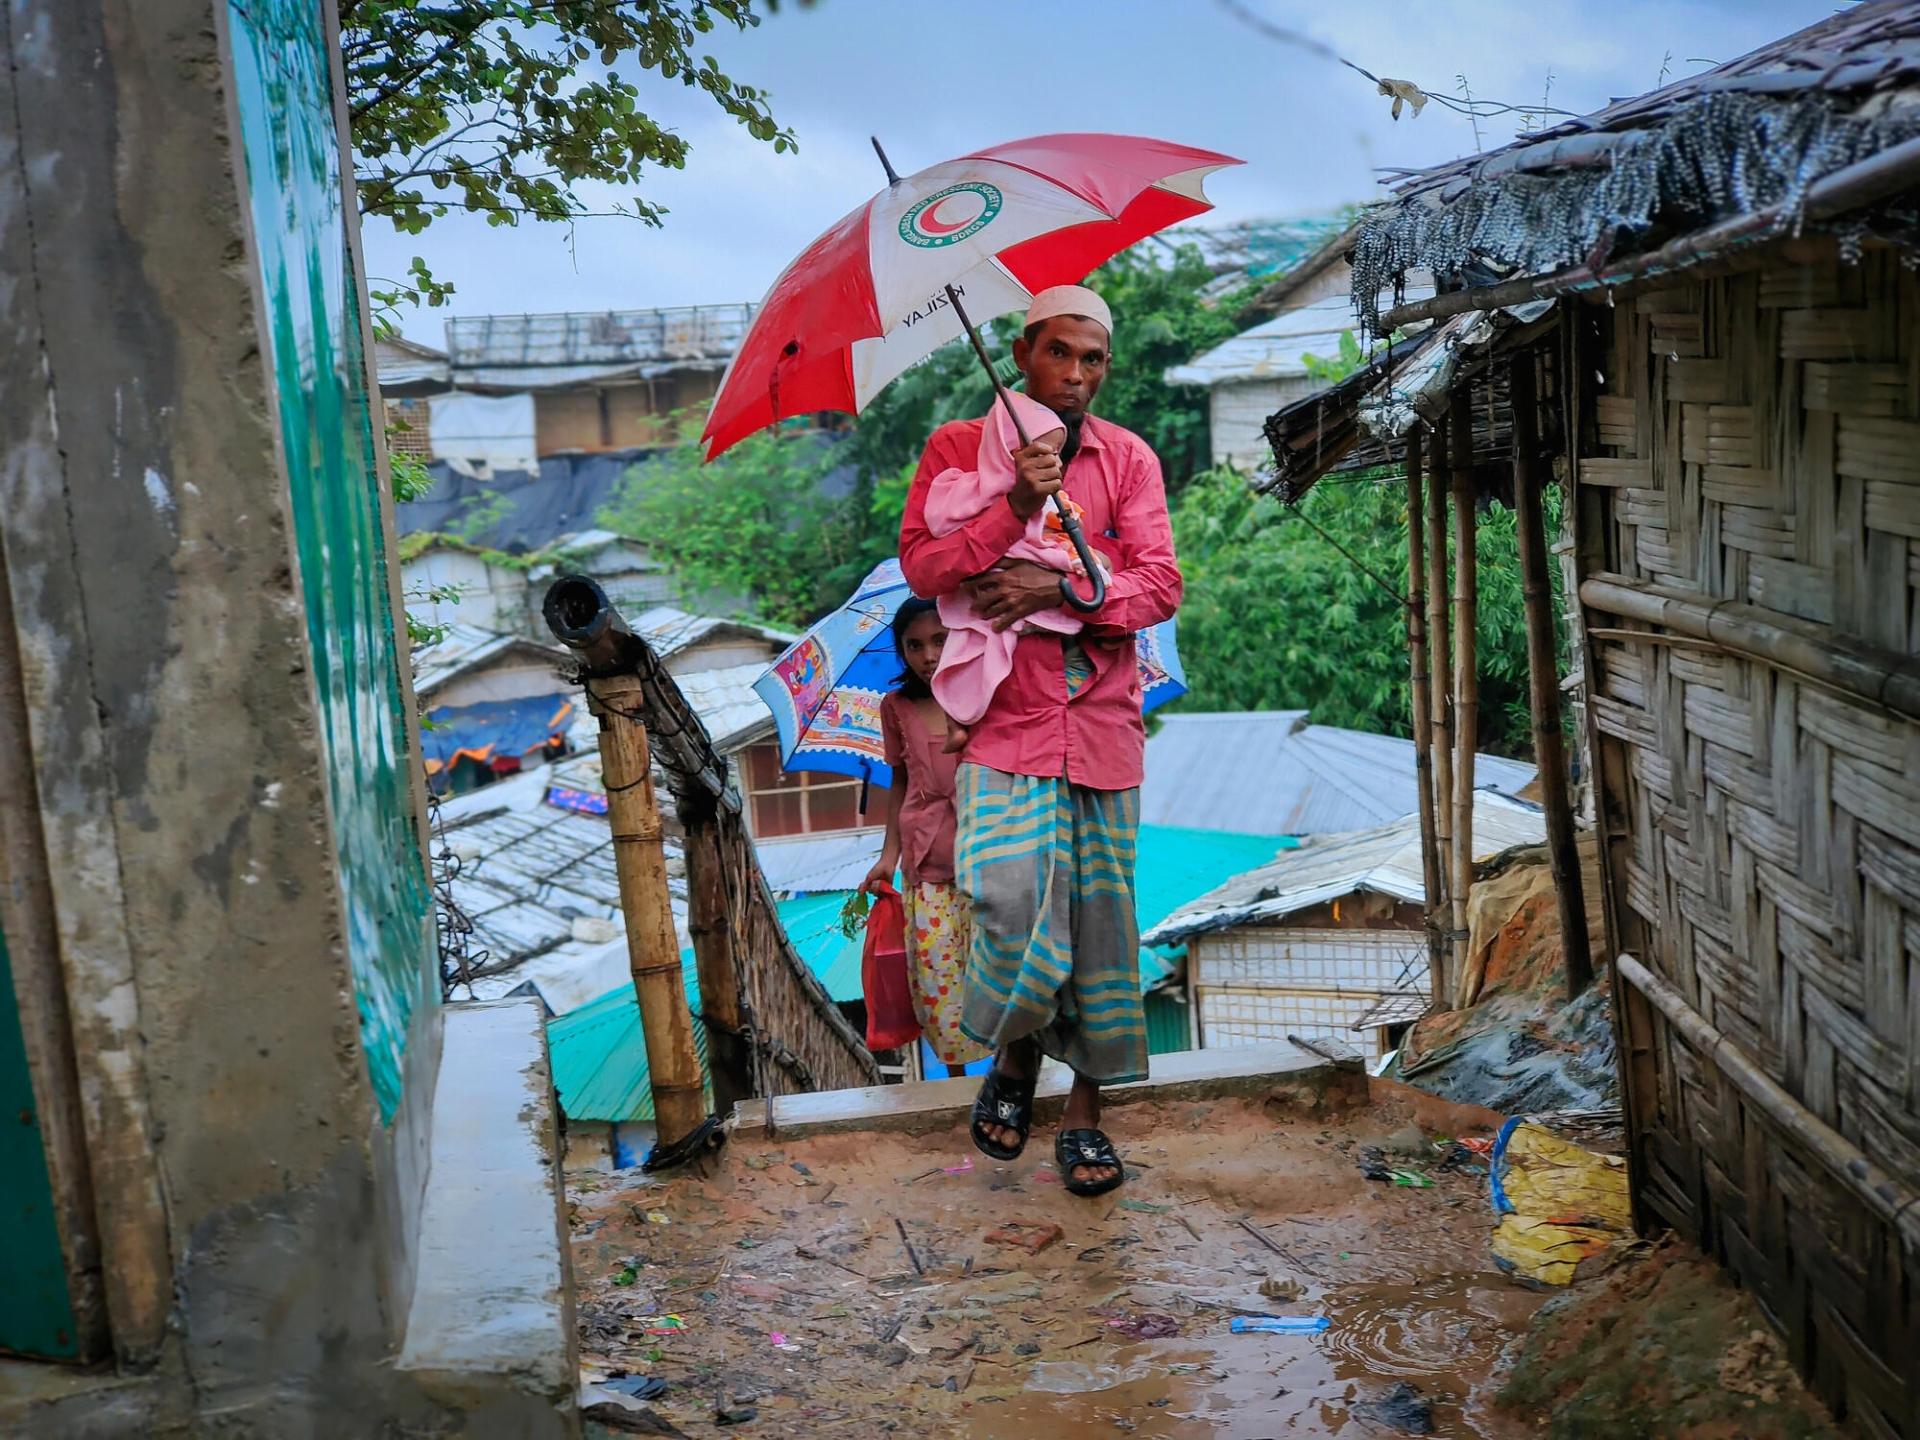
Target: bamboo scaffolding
(1543,680)
(1422,704)
(1440,707)
(1466,678)
(653,950)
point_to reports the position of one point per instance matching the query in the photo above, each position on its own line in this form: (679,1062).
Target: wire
(1477,109)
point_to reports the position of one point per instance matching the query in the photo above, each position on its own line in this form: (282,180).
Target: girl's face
(923,641)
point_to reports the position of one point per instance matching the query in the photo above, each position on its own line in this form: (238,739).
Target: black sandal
(1087,1147)
(1005,1101)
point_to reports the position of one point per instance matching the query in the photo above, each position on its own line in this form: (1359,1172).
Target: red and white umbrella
(872,295)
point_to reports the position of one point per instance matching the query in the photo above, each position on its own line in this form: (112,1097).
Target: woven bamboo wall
(1755,439)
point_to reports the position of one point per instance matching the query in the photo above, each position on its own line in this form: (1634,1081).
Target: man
(1048,791)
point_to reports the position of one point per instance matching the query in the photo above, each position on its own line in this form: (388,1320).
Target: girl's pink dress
(977,657)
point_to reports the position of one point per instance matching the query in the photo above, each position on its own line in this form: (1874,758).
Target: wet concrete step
(490,1329)
(936,1104)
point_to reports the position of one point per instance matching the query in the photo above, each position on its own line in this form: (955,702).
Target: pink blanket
(977,657)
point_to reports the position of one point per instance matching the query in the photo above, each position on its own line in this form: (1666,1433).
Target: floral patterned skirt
(939,929)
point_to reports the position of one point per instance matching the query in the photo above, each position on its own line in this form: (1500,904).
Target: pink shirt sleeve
(1146,584)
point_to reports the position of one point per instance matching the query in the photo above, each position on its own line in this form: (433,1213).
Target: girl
(920,827)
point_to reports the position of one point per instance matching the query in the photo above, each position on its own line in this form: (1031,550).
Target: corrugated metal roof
(1272,772)
(1273,350)
(815,864)
(725,701)
(599,1055)
(1383,861)
(466,648)
(539,885)
(1397,1009)
(669,630)
(545,344)
(399,363)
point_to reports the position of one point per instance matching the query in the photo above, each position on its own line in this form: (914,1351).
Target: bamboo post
(1440,707)
(653,949)
(1466,678)
(1543,680)
(710,922)
(1422,704)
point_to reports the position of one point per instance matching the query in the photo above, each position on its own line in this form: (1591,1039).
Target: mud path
(846,1285)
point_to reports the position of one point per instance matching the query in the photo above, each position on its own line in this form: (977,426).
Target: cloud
(935,79)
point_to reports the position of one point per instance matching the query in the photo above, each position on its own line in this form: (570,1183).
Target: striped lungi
(1056,944)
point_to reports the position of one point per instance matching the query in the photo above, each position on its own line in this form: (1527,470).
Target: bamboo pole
(1440,718)
(1543,679)
(710,922)
(1466,678)
(1422,704)
(653,950)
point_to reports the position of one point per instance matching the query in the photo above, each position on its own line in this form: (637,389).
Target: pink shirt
(926,811)
(1098,740)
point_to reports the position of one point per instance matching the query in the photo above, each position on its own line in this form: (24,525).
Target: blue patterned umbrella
(825,692)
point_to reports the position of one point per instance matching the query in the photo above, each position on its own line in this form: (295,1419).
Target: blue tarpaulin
(493,729)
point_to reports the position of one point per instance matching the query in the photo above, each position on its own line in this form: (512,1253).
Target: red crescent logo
(932,224)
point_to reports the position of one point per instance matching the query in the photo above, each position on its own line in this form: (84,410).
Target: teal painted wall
(282,89)
(36,1313)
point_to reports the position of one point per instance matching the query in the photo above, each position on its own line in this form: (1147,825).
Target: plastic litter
(1280,1324)
(663,1324)
(659,1217)
(1402,1408)
(1144,1207)
(640,1387)
(1557,1203)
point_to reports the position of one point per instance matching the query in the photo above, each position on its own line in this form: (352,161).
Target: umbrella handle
(1071,525)
(1068,522)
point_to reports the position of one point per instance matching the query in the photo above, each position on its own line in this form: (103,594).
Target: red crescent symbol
(931,224)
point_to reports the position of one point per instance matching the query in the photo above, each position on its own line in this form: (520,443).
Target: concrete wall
(220,813)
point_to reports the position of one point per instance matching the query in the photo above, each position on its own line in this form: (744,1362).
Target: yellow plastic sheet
(1558,1203)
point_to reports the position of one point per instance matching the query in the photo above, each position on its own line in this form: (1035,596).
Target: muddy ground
(846,1285)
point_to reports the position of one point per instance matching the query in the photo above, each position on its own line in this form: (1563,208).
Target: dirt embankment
(1662,1345)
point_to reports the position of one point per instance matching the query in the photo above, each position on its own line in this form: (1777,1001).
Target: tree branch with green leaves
(507,108)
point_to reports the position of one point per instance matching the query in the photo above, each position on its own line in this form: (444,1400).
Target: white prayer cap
(1070,300)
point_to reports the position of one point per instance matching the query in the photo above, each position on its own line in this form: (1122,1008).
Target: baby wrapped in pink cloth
(977,657)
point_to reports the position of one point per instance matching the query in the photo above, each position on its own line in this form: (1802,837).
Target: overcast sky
(935,78)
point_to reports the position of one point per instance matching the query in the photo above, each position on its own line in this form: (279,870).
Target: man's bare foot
(956,739)
(1083,1113)
(1018,1061)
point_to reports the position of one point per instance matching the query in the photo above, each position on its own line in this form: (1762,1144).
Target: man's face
(1065,364)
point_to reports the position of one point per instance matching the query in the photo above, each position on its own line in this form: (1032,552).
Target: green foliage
(1332,372)
(506,107)
(1160,320)
(1276,618)
(757,521)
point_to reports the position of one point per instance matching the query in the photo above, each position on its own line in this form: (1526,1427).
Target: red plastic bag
(883,975)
